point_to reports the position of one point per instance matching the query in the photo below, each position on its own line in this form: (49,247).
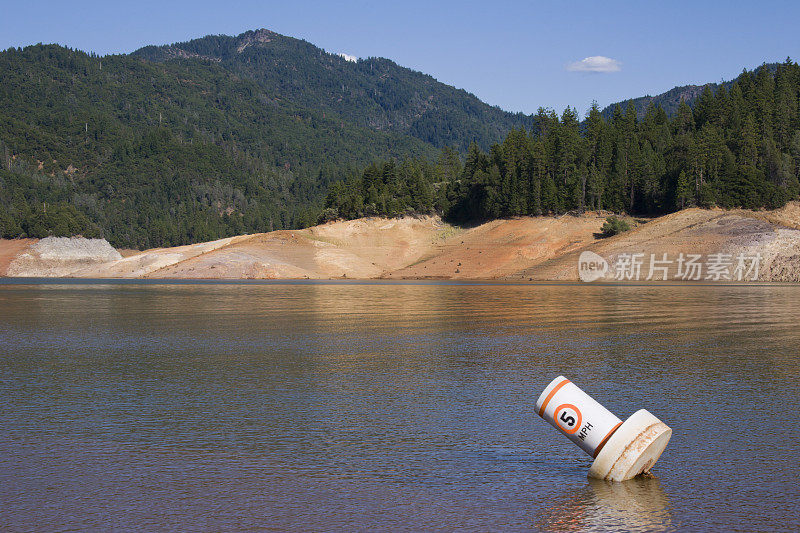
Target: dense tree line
(392,189)
(738,147)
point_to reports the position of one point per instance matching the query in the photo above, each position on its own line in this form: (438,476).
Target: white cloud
(348,57)
(595,64)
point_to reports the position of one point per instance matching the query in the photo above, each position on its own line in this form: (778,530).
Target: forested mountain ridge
(671,99)
(156,154)
(374,92)
(668,101)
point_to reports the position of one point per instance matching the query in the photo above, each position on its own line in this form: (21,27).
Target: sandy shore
(525,248)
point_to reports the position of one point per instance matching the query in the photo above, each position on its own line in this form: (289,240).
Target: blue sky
(513,54)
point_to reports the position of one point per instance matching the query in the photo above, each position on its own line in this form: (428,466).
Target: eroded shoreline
(426,248)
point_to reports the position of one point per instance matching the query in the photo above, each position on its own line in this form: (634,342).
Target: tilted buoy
(621,450)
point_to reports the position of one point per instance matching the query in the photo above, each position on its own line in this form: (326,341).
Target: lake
(390,406)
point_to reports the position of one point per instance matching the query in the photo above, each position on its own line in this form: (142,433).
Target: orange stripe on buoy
(605,439)
(550,396)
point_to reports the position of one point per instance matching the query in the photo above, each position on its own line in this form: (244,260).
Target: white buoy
(621,450)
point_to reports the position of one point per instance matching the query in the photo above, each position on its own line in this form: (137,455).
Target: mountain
(736,147)
(670,100)
(156,154)
(222,136)
(375,92)
(214,137)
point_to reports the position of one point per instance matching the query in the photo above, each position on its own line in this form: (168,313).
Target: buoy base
(633,448)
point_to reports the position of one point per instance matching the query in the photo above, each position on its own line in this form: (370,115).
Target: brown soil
(503,247)
(127,252)
(10,249)
(360,249)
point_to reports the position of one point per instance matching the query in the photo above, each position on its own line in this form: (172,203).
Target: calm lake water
(346,406)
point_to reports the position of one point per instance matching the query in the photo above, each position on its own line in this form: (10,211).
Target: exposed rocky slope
(540,248)
(61,256)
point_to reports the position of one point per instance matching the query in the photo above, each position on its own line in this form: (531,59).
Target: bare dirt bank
(61,256)
(713,235)
(526,248)
(502,248)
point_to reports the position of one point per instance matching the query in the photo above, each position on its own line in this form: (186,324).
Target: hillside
(208,139)
(223,136)
(373,92)
(521,248)
(734,148)
(151,154)
(668,101)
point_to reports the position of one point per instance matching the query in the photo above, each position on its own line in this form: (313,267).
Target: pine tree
(683,192)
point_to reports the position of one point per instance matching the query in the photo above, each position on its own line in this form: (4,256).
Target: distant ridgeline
(228,135)
(375,92)
(671,99)
(738,147)
(156,154)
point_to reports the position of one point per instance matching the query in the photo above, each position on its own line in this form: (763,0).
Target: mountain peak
(255,37)
(211,47)
(375,93)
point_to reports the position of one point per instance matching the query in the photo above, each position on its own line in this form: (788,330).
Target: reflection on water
(637,505)
(390,406)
